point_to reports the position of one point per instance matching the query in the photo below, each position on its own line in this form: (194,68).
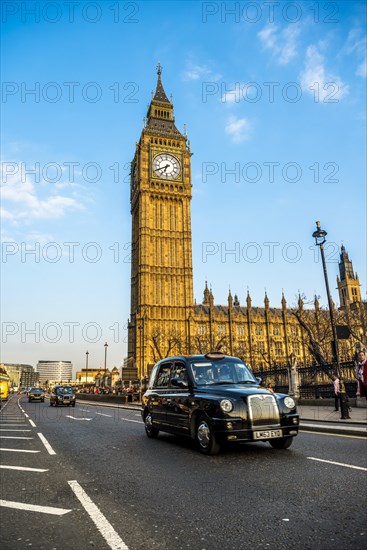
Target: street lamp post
(105,361)
(319,236)
(86,366)
(141,374)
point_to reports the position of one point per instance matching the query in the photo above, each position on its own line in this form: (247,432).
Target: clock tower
(161,262)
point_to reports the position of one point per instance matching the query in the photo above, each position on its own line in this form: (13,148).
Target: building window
(276,331)
(221,329)
(261,347)
(258,330)
(201,330)
(240,331)
(278,348)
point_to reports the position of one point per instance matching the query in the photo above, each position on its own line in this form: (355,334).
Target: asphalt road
(94,480)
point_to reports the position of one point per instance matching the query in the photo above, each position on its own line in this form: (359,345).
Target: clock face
(166,166)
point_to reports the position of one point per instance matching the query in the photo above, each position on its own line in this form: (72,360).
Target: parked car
(215,399)
(62,395)
(36,394)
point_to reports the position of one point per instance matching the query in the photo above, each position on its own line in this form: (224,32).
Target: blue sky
(273,98)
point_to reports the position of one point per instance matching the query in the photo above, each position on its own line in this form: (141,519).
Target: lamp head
(319,235)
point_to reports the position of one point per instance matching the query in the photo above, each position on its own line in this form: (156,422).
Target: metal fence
(314,382)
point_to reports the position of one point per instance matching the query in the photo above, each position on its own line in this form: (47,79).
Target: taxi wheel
(51,404)
(205,437)
(281,443)
(150,430)
(73,404)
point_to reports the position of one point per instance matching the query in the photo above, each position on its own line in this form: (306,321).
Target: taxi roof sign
(215,355)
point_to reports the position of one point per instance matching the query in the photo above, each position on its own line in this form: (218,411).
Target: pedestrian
(344,401)
(336,389)
(269,387)
(361,373)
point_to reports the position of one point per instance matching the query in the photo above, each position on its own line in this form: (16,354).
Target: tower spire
(160,95)
(160,113)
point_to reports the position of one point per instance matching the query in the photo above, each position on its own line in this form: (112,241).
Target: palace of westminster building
(164,319)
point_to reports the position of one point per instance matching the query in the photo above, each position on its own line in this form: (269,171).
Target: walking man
(336,386)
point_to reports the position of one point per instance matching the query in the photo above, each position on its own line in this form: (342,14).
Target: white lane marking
(18,450)
(22,468)
(104,527)
(337,463)
(14,437)
(129,420)
(76,418)
(16,424)
(101,414)
(32,423)
(34,508)
(13,430)
(46,444)
(334,435)
(25,414)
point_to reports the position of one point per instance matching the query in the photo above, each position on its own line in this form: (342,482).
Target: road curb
(330,429)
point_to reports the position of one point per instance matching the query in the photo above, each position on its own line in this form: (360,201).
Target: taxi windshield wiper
(225,382)
(246,382)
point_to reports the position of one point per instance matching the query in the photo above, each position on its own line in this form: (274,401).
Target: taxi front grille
(263,410)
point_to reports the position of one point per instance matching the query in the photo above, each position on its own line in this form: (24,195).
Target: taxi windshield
(221,372)
(65,390)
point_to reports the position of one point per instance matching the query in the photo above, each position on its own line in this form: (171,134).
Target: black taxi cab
(216,399)
(62,395)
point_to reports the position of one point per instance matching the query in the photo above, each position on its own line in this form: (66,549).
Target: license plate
(268,434)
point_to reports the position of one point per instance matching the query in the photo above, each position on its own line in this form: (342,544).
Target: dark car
(215,399)
(62,395)
(36,394)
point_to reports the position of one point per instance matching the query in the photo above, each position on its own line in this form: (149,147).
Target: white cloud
(356,45)
(196,72)
(283,44)
(21,200)
(362,69)
(324,86)
(237,128)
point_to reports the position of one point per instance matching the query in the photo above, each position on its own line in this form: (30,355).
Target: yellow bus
(4,385)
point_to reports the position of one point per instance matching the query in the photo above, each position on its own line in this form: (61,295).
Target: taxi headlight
(226,405)
(289,402)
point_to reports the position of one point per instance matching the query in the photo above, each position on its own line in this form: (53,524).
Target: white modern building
(54,371)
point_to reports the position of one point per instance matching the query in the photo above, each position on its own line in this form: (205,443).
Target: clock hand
(163,168)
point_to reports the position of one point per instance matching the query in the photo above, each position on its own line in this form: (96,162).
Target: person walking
(361,373)
(336,389)
(344,400)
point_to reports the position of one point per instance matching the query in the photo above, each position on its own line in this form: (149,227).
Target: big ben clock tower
(161,268)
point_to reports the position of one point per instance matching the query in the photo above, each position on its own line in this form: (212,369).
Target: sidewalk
(326,420)
(327,414)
